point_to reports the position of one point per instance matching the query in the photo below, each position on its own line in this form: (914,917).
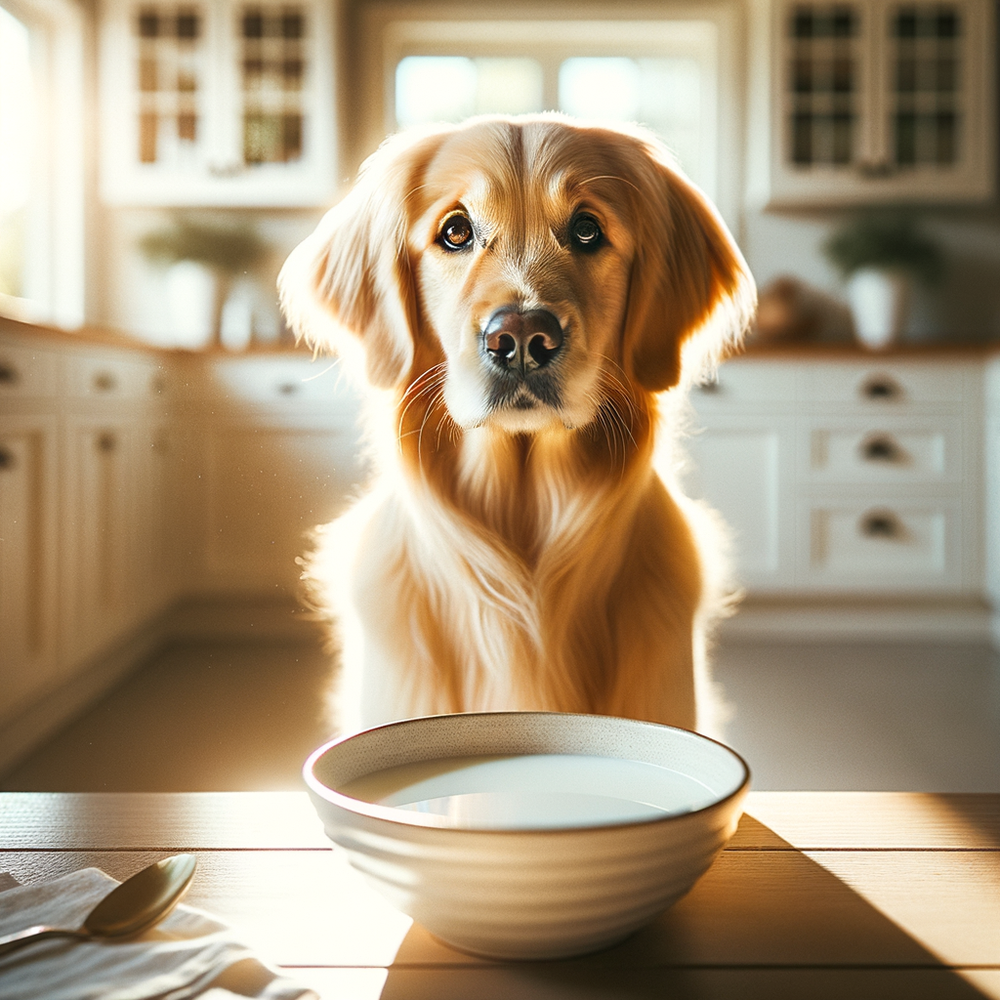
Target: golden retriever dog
(526,297)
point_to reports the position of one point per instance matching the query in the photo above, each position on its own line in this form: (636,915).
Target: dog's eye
(456,233)
(585,232)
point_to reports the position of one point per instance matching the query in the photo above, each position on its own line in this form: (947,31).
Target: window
(668,74)
(41,161)
(668,94)
(16,143)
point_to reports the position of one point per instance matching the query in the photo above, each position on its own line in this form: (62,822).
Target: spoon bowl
(139,903)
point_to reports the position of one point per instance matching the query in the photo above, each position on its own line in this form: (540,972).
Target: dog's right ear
(350,284)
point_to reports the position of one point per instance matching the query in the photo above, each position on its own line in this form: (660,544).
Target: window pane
(508,86)
(664,94)
(673,106)
(450,88)
(434,88)
(602,87)
(16,143)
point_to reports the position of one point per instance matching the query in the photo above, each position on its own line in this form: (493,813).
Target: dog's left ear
(691,295)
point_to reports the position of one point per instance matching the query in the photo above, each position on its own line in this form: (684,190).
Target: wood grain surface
(819,895)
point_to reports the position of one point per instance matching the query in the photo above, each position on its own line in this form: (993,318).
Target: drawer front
(283,381)
(743,383)
(27,372)
(909,453)
(893,546)
(107,375)
(885,387)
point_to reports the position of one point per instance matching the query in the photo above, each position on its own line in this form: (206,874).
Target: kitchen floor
(218,716)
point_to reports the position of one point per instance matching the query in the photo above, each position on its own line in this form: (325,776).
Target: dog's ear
(350,284)
(691,295)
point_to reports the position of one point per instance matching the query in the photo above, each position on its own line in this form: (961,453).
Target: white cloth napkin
(190,954)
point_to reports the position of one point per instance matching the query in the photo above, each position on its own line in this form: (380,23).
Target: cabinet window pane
(169,74)
(822,84)
(924,116)
(273,62)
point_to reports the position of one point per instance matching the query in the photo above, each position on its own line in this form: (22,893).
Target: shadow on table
(762,924)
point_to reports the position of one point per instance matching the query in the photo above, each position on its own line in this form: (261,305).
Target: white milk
(533,790)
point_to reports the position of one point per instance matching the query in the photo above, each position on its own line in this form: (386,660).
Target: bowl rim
(404,818)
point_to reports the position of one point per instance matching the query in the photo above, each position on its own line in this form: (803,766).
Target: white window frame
(389,32)
(54,276)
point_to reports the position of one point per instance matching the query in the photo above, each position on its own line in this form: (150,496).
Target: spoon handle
(31,934)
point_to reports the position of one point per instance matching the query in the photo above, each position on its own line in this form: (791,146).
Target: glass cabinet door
(880,100)
(219,102)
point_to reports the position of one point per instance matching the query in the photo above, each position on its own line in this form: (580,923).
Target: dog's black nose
(522,340)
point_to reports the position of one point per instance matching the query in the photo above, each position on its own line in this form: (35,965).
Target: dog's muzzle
(522,342)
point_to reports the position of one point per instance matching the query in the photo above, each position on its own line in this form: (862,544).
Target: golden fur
(517,549)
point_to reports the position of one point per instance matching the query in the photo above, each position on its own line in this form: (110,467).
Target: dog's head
(530,263)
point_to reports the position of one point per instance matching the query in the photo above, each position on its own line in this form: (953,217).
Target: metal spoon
(137,904)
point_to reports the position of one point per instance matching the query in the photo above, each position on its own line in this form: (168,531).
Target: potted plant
(205,258)
(881,255)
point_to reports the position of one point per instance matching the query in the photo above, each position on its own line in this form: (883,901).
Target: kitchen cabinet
(131,478)
(217,103)
(876,101)
(83,499)
(853,476)
(277,454)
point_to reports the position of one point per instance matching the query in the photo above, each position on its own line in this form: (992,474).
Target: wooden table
(819,895)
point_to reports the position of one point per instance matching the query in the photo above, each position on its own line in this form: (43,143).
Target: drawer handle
(105,382)
(106,442)
(7,460)
(880,524)
(881,387)
(8,374)
(881,448)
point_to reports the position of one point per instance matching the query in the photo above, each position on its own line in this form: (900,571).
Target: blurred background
(165,447)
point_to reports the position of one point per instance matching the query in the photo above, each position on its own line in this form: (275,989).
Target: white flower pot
(879,303)
(191,295)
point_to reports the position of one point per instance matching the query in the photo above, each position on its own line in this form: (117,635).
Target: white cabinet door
(881,100)
(28,622)
(97,533)
(269,487)
(741,472)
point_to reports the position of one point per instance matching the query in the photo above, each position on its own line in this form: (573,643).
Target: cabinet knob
(106,442)
(104,382)
(880,524)
(8,374)
(288,388)
(7,459)
(874,169)
(881,448)
(881,387)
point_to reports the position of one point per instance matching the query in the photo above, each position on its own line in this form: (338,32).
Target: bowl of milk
(529,834)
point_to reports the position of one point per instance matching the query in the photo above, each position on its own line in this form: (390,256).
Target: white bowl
(541,890)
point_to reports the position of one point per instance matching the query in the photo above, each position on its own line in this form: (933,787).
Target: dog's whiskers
(425,383)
